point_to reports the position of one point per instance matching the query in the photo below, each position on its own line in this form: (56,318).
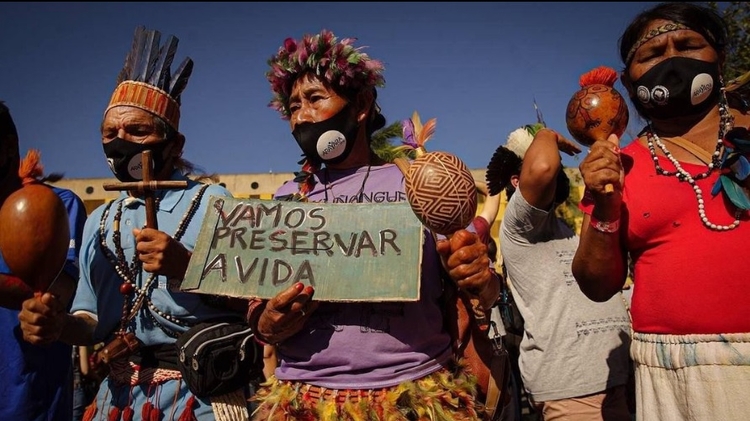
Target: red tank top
(688,279)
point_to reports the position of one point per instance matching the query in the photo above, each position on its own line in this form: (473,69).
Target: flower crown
(338,62)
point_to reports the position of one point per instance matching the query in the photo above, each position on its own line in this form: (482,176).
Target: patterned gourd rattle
(597,109)
(439,186)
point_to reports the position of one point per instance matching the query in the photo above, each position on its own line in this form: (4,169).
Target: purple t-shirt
(368,345)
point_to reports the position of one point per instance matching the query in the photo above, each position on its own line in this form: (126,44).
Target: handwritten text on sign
(348,252)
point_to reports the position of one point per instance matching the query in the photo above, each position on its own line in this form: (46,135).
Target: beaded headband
(663,29)
(145,80)
(336,61)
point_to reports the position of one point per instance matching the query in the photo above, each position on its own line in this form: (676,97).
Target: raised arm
(541,164)
(599,265)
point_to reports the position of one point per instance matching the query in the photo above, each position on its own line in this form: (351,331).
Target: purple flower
(408,131)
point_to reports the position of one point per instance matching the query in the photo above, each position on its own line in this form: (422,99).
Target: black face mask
(124,158)
(677,87)
(329,141)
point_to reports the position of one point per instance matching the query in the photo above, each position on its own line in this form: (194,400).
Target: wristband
(607,227)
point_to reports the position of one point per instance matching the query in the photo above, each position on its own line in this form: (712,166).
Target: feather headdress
(146,80)
(507,159)
(337,61)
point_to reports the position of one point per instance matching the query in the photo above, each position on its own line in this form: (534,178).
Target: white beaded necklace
(726,124)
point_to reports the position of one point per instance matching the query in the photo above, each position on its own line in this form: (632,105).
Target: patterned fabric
(447,395)
(127,372)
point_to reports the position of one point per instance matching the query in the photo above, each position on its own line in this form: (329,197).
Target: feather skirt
(446,395)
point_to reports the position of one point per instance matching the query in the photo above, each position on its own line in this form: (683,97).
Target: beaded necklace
(135,296)
(726,123)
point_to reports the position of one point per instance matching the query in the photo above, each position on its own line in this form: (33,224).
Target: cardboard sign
(348,252)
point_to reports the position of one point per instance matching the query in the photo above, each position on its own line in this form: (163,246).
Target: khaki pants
(610,405)
(692,377)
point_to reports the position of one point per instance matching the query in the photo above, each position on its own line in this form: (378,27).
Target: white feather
(519,141)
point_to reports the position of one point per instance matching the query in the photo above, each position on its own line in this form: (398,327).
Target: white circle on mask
(331,144)
(135,167)
(701,88)
(643,94)
(111,163)
(660,95)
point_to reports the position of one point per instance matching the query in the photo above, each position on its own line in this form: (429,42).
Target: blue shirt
(99,291)
(99,287)
(36,383)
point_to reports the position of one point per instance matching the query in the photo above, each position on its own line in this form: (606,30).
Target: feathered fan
(507,159)
(148,63)
(503,165)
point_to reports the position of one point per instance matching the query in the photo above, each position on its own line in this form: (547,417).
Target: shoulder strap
(698,152)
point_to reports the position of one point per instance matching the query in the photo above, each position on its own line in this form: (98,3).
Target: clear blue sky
(476,67)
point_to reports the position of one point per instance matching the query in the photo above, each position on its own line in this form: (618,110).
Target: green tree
(737,16)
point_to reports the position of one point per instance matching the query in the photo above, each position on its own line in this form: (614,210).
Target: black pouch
(512,319)
(218,357)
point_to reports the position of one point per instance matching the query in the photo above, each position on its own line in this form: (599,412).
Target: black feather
(136,74)
(149,55)
(503,165)
(161,74)
(130,60)
(180,79)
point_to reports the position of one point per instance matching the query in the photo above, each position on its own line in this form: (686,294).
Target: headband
(663,29)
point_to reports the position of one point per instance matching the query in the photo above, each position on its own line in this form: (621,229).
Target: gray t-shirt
(572,346)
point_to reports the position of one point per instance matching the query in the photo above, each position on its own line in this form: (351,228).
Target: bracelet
(607,227)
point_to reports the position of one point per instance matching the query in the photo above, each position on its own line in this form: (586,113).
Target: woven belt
(311,392)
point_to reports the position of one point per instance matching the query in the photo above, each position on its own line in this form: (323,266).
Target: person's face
(311,101)
(131,124)
(680,43)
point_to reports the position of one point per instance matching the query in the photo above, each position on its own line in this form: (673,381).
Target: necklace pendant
(126,288)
